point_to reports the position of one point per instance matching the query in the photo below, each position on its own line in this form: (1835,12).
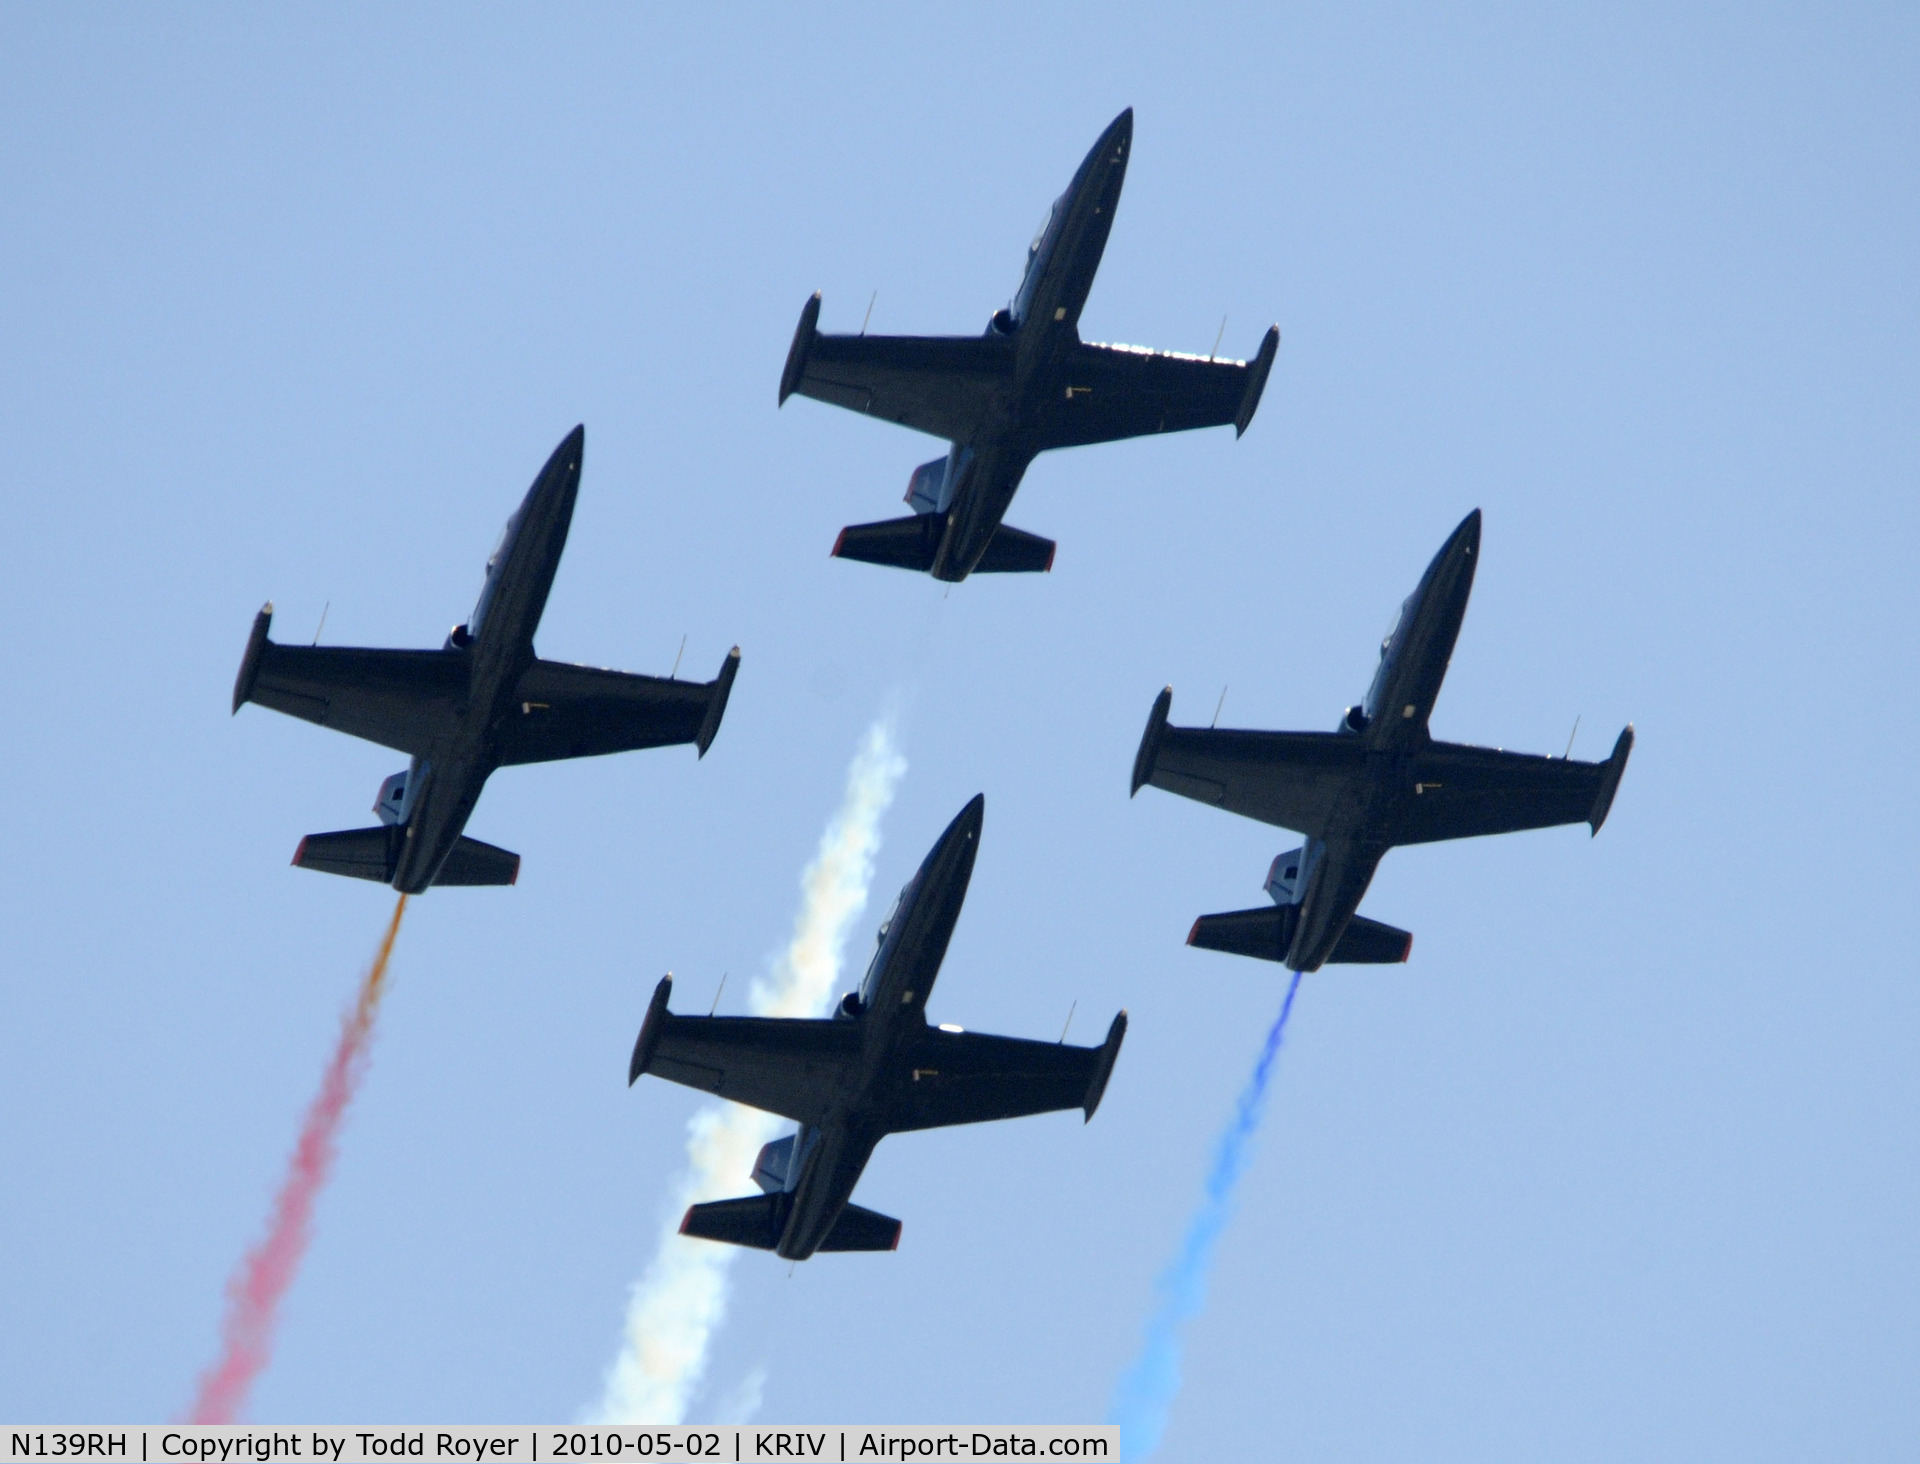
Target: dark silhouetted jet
(1030,383)
(873,1068)
(482,701)
(1379,781)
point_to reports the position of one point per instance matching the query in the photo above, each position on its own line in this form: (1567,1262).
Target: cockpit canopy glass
(879,946)
(1386,641)
(1030,279)
(494,561)
(1040,234)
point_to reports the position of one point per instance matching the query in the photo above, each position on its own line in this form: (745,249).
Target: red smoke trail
(255,1289)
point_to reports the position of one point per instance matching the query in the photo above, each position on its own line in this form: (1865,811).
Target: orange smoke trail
(255,1289)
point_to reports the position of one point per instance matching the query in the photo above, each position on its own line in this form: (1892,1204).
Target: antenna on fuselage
(869,314)
(1069,1020)
(716,993)
(676,660)
(323,622)
(1216,707)
(1219,338)
(1570,736)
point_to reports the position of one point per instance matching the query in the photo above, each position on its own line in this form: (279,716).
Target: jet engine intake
(1355,720)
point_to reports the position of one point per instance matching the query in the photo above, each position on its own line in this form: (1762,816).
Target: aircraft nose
(966,823)
(1466,538)
(559,480)
(572,448)
(962,834)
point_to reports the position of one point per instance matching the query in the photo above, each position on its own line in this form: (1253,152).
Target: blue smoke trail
(1146,1391)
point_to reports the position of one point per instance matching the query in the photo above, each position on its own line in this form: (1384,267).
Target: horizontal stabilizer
(1267,935)
(754,1221)
(356,853)
(375,853)
(757,1221)
(902,543)
(914,541)
(1370,943)
(1015,551)
(858,1229)
(475,863)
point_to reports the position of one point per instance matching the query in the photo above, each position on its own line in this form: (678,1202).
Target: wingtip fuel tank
(803,335)
(250,658)
(717,702)
(1103,1065)
(1258,370)
(655,1023)
(1610,779)
(1149,753)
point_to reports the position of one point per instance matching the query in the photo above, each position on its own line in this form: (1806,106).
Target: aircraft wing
(791,1066)
(1289,779)
(1463,791)
(1111,392)
(398,699)
(970,1077)
(567,711)
(944,385)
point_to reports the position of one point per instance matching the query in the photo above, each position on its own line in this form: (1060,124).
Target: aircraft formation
(875,1066)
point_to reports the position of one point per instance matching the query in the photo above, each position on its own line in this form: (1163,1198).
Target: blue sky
(1623,1163)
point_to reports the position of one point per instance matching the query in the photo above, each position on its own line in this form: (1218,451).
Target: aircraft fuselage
(445,783)
(1044,324)
(890,1007)
(1337,864)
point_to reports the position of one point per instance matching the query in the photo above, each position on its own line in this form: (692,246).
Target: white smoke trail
(681,1299)
(739,1404)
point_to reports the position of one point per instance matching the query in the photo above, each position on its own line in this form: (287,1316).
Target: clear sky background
(1622,1164)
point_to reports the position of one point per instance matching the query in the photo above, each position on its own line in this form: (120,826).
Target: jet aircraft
(1028,384)
(873,1068)
(482,701)
(1379,781)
